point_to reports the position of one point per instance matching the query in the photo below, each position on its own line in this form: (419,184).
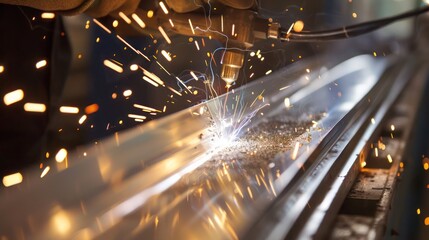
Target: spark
(152,76)
(163,7)
(90,109)
(115,23)
(135,116)
(115,67)
(41,63)
(102,26)
(175,91)
(48,15)
(166,55)
(45,171)
(295,151)
(372,120)
(186,87)
(192,27)
(150,14)
(13,97)
(12,179)
(171,22)
(1,68)
(61,155)
(268,72)
(150,81)
(290,28)
(134,67)
(35,107)
(194,76)
(127,93)
(68,109)
(283,88)
(221,22)
(132,48)
(392,127)
(233,30)
(196,45)
(161,30)
(376,152)
(298,26)
(138,20)
(125,17)
(82,119)
(146,109)
(354,15)
(389,158)
(418,211)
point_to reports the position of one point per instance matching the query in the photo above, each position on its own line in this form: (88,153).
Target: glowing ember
(127,93)
(82,119)
(35,107)
(166,55)
(136,116)
(134,67)
(125,17)
(194,76)
(138,20)
(163,7)
(13,97)
(93,108)
(112,65)
(12,179)
(298,26)
(167,39)
(45,171)
(48,15)
(61,155)
(41,64)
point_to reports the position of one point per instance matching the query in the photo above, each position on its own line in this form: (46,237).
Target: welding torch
(237,24)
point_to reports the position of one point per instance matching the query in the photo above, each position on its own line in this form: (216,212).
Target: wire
(348,31)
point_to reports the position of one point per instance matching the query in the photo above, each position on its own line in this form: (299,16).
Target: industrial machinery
(314,150)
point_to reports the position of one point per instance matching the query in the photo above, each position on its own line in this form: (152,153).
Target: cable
(347,31)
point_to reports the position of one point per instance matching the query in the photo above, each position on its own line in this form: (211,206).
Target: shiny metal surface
(166,180)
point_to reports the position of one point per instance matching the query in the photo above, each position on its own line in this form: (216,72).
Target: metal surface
(183,172)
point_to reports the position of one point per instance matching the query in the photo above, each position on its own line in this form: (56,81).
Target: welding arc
(348,31)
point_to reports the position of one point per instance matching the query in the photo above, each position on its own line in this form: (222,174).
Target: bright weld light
(115,67)
(102,26)
(12,179)
(35,107)
(134,67)
(163,7)
(127,93)
(150,81)
(192,27)
(45,171)
(161,30)
(166,55)
(61,155)
(135,116)
(48,15)
(68,109)
(138,20)
(82,119)
(125,17)
(41,64)
(194,76)
(13,97)
(295,151)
